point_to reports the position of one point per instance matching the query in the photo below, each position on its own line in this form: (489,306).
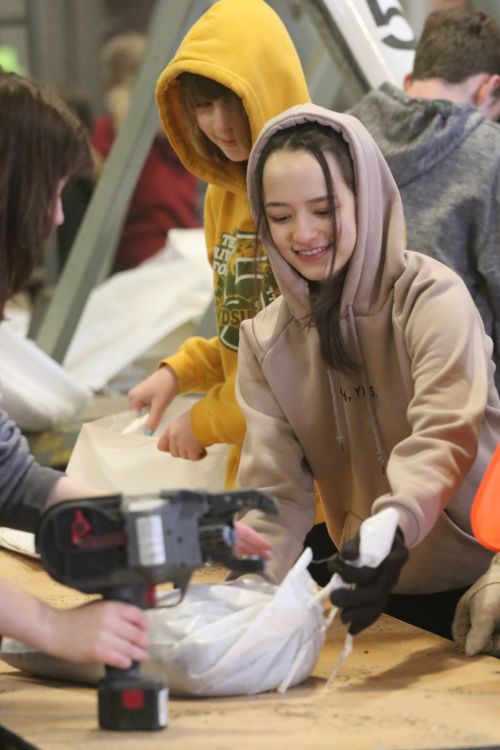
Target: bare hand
(154,393)
(178,439)
(106,632)
(250,542)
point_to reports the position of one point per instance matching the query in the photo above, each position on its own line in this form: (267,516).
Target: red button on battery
(133,699)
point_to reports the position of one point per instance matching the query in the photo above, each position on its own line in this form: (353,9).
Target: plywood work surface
(401,689)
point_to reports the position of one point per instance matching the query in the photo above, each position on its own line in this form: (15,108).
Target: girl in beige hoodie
(371,374)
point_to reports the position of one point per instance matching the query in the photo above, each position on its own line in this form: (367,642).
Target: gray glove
(476,625)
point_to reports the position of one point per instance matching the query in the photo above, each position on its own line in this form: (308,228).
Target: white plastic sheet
(113,454)
(37,393)
(22,542)
(239,638)
(133,310)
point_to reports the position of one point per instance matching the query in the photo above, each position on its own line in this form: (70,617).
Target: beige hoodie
(414,428)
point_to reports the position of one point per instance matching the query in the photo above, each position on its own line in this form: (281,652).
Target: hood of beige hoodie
(378,257)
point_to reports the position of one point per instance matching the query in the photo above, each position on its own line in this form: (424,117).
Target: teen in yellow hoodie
(254,73)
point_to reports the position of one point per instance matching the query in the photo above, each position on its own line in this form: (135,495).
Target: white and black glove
(364,603)
(476,625)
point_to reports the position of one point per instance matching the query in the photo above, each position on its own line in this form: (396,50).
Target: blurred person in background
(442,144)
(166,195)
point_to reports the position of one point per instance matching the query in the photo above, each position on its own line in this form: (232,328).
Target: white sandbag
(37,393)
(113,454)
(133,310)
(238,638)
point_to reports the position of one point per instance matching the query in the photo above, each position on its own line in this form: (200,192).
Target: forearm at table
(23,616)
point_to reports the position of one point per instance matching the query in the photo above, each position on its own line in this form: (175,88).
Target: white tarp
(37,393)
(133,310)
(114,454)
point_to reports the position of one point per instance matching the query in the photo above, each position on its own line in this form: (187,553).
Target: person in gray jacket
(443,148)
(441,139)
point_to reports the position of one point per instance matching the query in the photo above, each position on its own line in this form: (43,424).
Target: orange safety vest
(485,511)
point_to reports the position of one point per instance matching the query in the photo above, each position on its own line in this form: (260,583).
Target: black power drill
(122,546)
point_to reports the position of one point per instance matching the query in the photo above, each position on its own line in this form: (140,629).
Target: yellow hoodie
(243,45)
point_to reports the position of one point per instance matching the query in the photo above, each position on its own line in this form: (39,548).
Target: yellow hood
(243,45)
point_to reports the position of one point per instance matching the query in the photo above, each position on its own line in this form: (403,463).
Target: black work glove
(362,605)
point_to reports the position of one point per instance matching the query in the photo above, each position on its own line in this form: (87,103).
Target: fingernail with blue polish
(149,431)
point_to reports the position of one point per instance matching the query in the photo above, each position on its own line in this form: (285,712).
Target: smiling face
(224,122)
(300,218)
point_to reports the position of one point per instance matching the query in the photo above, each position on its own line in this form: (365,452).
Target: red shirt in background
(166,197)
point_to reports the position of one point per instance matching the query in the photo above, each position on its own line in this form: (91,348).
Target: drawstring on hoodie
(364,379)
(339,425)
(341,438)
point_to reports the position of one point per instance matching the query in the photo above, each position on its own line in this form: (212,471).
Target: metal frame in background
(93,250)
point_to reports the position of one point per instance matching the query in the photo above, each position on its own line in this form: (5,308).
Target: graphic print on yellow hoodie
(243,45)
